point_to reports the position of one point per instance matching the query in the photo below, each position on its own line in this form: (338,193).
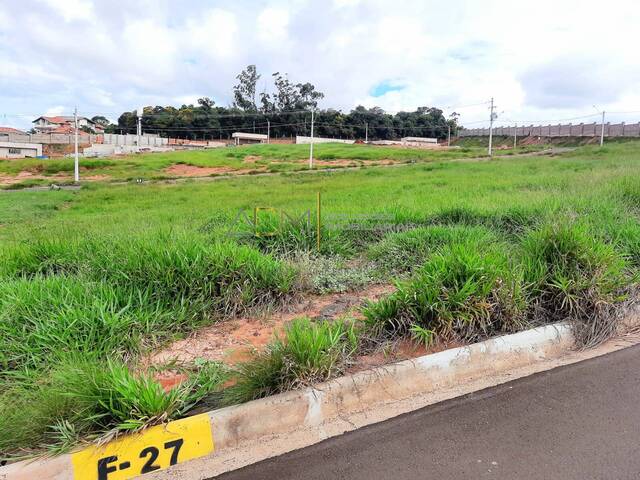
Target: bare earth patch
(29,175)
(233,341)
(252,159)
(183,170)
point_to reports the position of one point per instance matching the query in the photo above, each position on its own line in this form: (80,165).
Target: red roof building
(10,130)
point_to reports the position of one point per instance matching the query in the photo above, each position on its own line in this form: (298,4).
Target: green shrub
(108,297)
(307,353)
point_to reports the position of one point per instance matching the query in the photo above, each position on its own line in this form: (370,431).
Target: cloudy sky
(542,60)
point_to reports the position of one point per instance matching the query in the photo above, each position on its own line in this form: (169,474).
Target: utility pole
(366,133)
(76,163)
(449,136)
(311,144)
(602,130)
(515,137)
(139,128)
(491,119)
(268,131)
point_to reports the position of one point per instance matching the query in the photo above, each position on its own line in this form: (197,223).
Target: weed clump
(307,353)
(464,291)
(84,399)
(574,276)
(403,252)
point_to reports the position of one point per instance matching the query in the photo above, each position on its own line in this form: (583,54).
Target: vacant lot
(222,161)
(94,281)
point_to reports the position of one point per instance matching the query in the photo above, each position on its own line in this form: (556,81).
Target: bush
(308,352)
(464,291)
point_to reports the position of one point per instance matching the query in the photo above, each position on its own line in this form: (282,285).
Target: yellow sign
(154,449)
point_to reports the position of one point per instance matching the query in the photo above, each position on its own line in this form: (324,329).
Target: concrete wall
(566,130)
(307,140)
(146,140)
(48,138)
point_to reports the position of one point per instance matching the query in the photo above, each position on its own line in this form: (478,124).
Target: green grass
(106,273)
(81,398)
(465,290)
(268,158)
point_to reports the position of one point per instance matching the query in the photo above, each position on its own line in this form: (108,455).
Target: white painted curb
(317,410)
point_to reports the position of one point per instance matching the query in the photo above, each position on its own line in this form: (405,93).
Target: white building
(419,140)
(241,138)
(20,150)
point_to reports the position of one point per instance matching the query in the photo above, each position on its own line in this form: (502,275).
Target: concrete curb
(328,409)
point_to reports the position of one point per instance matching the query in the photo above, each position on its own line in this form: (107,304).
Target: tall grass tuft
(308,352)
(574,276)
(103,297)
(404,252)
(465,290)
(82,398)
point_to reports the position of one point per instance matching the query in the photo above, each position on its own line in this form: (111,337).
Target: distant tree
(100,120)
(287,106)
(307,96)
(244,93)
(206,103)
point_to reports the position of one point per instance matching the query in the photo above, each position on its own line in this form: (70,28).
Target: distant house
(64,124)
(6,130)
(241,138)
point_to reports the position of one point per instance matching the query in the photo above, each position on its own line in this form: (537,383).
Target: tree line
(284,112)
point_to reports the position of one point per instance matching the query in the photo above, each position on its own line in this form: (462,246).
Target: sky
(542,61)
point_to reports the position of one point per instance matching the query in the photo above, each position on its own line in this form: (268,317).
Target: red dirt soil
(233,341)
(182,170)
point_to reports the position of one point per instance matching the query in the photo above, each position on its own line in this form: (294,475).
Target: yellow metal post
(318,223)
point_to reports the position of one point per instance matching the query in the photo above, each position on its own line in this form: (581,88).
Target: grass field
(242,160)
(92,279)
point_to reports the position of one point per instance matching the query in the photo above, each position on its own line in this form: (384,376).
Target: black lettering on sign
(152,453)
(104,469)
(176,445)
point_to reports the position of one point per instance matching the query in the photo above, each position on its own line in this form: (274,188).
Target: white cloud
(54,111)
(272,24)
(72,10)
(149,50)
(213,34)
(551,60)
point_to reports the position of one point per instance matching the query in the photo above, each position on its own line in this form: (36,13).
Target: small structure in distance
(241,138)
(20,150)
(421,140)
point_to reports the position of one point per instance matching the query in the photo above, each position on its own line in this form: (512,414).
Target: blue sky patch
(385,87)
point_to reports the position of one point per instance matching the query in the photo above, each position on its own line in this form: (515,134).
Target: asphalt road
(577,422)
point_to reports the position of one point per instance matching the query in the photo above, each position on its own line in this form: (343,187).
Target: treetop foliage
(286,109)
